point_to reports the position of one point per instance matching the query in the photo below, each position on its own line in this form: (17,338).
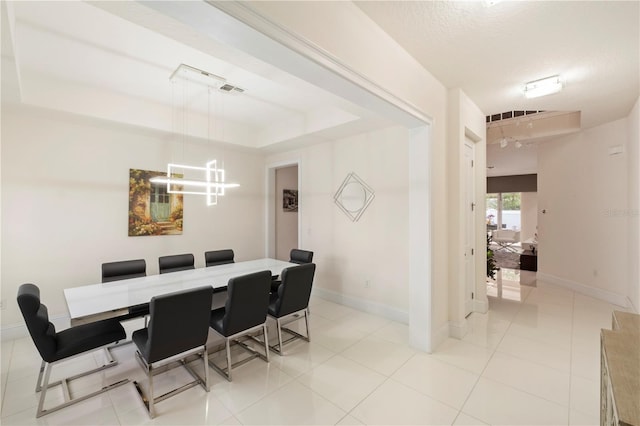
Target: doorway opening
(286,211)
(283,224)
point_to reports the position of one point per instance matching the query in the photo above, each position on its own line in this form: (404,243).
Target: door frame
(239,25)
(470,206)
(270,204)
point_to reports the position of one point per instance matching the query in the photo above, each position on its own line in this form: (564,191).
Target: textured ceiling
(490,52)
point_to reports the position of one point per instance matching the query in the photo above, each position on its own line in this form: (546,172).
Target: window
(159,194)
(503,211)
(510,212)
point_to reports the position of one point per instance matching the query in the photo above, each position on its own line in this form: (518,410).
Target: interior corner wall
(465,121)
(583,234)
(65,186)
(286,221)
(390,67)
(633,157)
(364,263)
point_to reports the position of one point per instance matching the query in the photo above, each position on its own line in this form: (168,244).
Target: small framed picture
(290,200)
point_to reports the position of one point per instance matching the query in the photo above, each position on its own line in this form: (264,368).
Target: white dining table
(94,302)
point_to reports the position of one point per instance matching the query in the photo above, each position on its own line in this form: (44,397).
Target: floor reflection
(511,284)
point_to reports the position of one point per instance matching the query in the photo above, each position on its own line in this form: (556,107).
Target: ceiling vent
(509,114)
(542,124)
(205,78)
(230,88)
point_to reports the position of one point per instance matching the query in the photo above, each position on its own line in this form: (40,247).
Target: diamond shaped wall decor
(354,196)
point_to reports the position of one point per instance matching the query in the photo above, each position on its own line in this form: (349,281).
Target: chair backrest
(179,322)
(176,262)
(295,290)
(247,302)
(300,256)
(35,314)
(122,270)
(218,257)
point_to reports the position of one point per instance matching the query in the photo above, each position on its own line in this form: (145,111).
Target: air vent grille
(509,114)
(230,88)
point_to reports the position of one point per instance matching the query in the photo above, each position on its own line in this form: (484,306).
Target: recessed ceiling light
(543,87)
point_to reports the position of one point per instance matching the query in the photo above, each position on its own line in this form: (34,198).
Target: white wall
(583,236)
(528,215)
(373,249)
(391,68)
(286,222)
(633,163)
(65,202)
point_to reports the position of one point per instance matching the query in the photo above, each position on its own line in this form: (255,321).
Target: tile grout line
(6,381)
(494,350)
(570,362)
(573,319)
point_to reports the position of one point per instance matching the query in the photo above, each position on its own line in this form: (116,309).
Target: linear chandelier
(213,185)
(211,181)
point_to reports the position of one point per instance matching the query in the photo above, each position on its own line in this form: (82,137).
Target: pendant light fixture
(209,179)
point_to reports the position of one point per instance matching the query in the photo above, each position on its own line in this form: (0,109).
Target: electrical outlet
(367,284)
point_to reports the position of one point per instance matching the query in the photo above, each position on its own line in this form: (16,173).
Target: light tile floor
(532,359)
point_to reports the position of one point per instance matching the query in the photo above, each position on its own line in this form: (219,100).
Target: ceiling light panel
(543,87)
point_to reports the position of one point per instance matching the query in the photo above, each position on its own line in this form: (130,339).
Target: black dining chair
(55,347)
(176,262)
(245,312)
(291,302)
(300,256)
(295,256)
(218,257)
(123,270)
(178,327)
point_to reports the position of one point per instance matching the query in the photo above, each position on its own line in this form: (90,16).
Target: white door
(469,225)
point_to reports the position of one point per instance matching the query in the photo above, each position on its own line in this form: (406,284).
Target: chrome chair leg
(205,361)
(43,393)
(306,321)
(148,397)
(228,360)
(152,405)
(266,341)
(226,372)
(279,327)
(39,384)
(43,385)
(295,335)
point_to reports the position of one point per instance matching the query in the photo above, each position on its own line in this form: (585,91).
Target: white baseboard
(458,331)
(363,305)
(439,336)
(481,306)
(16,331)
(597,293)
(13,331)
